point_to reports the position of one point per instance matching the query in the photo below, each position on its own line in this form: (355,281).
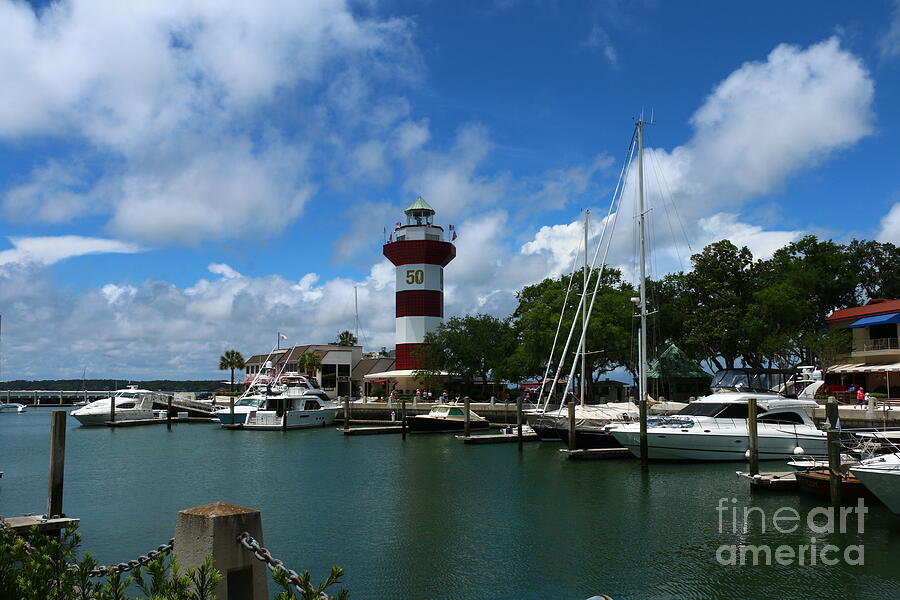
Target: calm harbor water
(429,517)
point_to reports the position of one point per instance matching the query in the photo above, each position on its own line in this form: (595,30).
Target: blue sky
(180,178)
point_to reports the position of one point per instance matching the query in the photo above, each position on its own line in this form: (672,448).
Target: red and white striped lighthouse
(419,252)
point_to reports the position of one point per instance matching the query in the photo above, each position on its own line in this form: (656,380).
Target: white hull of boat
(882,479)
(123,414)
(671,445)
(12,407)
(296,419)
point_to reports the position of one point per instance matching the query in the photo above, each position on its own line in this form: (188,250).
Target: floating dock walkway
(596,453)
(498,438)
(160,421)
(781,480)
(373,430)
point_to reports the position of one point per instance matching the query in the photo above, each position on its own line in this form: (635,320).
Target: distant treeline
(161,385)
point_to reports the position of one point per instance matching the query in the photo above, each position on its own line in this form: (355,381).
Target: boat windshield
(126,395)
(721,410)
(255,402)
(750,380)
(702,409)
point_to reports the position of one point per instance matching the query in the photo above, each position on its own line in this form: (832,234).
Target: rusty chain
(124,567)
(262,554)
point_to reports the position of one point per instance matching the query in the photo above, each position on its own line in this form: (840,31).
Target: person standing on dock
(860,396)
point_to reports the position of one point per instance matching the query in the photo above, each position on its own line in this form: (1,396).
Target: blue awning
(878,320)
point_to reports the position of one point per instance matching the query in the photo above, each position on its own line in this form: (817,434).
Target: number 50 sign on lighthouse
(420,255)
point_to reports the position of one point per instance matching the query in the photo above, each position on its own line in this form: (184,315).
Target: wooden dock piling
(834,452)
(571,425)
(519,420)
(403,417)
(57,463)
(346,413)
(169,413)
(754,436)
(466,424)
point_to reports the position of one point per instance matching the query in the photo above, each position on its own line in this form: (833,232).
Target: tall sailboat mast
(642,343)
(584,319)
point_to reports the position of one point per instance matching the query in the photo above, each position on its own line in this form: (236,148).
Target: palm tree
(232,359)
(309,362)
(346,338)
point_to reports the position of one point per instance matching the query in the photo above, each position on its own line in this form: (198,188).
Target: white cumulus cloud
(52,249)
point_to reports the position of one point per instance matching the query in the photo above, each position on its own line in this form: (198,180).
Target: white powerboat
(292,401)
(130,403)
(881,475)
(12,407)
(714,428)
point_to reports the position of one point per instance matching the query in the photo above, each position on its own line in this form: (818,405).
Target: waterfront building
(873,361)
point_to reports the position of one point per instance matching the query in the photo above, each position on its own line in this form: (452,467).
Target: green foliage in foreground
(51,570)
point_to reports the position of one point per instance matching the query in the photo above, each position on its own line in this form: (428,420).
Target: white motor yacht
(881,476)
(12,407)
(294,401)
(130,403)
(714,428)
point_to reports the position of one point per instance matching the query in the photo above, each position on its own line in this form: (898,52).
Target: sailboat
(591,420)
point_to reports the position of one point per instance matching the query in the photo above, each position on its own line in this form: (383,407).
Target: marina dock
(162,421)
(780,480)
(373,430)
(596,453)
(498,438)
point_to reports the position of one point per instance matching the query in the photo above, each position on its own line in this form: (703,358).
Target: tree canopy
(729,309)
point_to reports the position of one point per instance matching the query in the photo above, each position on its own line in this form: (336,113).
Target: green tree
(875,263)
(608,341)
(346,338)
(720,286)
(232,359)
(473,346)
(309,362)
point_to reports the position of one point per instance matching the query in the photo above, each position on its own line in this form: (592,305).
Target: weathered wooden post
(284,412)
(112,407)
(34,395)
(466,424)
(403,417)
(519,420)
(231,410)
(834,451)
(57,463)
(169,413)
(213,530)
(754,436)
(571,425)
(346,413)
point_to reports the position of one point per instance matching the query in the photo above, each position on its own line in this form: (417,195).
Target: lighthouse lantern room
(419,253)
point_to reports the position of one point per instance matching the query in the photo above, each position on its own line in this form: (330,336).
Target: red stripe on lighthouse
(411,252)
(405,356)
(420,303)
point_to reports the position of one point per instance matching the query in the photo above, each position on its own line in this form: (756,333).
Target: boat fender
(600,597)
(799,450)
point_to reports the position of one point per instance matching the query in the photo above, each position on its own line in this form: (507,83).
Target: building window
(343,370)
(329,377)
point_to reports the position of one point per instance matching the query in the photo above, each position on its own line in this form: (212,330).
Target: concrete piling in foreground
(213,530)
